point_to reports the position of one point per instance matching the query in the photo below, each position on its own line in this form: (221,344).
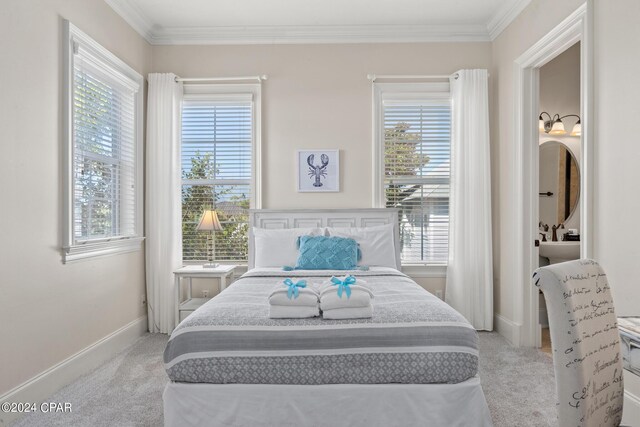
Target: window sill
(426,271)
(99,249)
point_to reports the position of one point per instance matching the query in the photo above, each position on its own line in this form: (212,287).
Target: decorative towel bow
(293,290)
(343,285)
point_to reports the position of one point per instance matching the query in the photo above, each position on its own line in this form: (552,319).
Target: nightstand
(190,272)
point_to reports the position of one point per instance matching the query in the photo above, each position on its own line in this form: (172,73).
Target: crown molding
(311,34)
(504,16)
(135,17)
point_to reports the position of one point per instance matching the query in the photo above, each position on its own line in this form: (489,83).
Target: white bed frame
(365,405)
(318,218)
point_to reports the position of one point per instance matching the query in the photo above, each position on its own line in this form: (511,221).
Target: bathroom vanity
(560,251)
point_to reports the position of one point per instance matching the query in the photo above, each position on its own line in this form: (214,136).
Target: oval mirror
(559,182)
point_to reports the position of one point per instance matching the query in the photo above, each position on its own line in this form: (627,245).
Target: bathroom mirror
(559,182)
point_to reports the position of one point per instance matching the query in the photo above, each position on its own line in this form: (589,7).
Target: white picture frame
(319,177)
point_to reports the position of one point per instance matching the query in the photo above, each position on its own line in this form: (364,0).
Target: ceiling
(316,21)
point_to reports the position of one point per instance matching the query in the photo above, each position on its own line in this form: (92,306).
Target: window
(218,157)
(413,140)
(103,134)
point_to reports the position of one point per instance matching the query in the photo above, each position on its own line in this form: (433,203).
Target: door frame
(577,27)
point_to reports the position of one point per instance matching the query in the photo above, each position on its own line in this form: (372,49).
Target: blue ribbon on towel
(343,285)
(294,290)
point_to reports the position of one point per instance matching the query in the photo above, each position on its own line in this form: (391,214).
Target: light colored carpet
(518,383)
(127,391)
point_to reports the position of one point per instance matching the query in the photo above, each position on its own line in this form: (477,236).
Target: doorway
(574,30)
(559,130)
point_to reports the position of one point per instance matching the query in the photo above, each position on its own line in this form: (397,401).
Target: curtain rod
(221,79)
(373,77)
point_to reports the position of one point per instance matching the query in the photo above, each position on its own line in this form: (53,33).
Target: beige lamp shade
(577,129)
(541,124)
(557,128)
(209,221)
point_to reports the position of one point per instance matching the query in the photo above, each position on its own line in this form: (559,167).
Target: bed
(413,363)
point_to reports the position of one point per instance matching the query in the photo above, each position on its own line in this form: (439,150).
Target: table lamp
(209,222)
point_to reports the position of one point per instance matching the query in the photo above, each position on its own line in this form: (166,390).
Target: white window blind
(417,141)
(103,162)
(104,154)
(217,147)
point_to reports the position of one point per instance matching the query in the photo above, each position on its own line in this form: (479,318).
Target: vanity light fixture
(554,126)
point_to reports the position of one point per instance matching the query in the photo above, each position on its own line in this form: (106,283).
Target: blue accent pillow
(298,247)
(327,253)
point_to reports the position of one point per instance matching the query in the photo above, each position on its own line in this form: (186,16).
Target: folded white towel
(307,296)
(348,313)
(293,312)
(328,284)
(360,297)
(287,301)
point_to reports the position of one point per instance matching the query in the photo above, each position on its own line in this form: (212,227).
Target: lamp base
(210,265)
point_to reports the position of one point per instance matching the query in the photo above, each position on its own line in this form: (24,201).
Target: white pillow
(376,244)
(277,247)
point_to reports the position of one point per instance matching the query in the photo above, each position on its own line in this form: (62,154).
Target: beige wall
(617,150)
(538,18)
(49,311)
(318,96)
(560,85)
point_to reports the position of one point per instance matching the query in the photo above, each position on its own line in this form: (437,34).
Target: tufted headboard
(316,218)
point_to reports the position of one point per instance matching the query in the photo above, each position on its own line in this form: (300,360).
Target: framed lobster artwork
(318,170)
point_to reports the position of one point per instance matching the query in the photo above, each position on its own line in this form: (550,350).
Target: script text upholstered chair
(585,343)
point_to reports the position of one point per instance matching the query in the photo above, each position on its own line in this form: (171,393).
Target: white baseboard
(631,408)
(507,328)
(43,385)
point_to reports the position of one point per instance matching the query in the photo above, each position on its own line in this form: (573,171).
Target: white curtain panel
(469,273)
(163,207)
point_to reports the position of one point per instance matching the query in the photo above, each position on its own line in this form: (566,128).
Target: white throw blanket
(284,304)
(336,305)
